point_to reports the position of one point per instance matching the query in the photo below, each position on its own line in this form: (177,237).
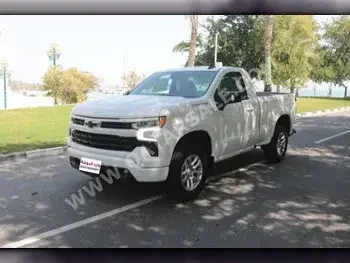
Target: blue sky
(95,43)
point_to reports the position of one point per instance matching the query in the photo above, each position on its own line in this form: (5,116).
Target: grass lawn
(33,128)
(45,127)
(311,104)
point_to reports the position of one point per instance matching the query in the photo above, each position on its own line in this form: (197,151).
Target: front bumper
(141,174)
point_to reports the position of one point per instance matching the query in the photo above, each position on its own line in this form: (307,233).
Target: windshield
(188,84)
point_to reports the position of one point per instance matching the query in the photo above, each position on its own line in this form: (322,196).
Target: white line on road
(331,137)
(66,228)
(77,224)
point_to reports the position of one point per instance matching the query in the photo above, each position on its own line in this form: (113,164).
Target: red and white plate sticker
(90,165)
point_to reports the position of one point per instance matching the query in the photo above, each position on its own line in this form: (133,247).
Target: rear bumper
(141,174)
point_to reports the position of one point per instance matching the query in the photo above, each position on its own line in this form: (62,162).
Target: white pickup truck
(176,124)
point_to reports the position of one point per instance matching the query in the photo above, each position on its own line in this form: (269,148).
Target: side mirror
(225,98)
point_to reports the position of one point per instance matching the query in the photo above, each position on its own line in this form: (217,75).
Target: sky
(104,45)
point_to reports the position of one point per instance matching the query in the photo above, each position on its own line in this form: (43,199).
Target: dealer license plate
(90,165)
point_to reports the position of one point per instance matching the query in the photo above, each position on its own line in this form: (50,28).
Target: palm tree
(193,40)
(184,46)
(267,51)
(181,47)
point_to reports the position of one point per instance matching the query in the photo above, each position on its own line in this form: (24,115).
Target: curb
(33,154)
(321,112)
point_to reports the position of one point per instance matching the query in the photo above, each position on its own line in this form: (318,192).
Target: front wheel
(277,148)
(188,170)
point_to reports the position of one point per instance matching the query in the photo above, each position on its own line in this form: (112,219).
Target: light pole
(5,73)
(54,53)
(216,49)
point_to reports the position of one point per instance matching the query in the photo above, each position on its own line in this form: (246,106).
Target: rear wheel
(187,173)
(276,149)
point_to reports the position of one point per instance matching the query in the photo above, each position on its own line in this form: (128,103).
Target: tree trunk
(292,89)
(345,90)
(55,101)
(330,91)
(278,88)
(267,51)
(193,41)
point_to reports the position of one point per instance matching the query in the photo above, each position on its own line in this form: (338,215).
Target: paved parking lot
(301,202)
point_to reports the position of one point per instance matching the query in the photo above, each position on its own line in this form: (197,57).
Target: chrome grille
(107,124)
(78,121)
(116,125)
(112,142)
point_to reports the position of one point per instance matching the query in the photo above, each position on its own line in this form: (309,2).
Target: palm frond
(181,47)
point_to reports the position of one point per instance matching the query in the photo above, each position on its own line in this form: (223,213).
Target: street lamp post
(5,74)
(216,49)
(54,54)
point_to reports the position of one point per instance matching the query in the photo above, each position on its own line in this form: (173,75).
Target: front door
(251,111)
(232,109)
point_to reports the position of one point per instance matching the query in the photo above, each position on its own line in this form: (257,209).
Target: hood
(130,106)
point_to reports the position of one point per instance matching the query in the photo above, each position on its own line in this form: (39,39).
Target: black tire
(271,150)
(175,188)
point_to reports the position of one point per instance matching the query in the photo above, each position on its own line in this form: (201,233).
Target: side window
(231,86)
(241,87)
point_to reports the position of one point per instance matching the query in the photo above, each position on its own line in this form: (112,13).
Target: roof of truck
(198,68)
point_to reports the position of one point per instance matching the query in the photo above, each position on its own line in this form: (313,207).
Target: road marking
(80,223)
(331,137)
(84,222)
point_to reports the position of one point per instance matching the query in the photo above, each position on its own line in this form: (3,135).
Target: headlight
(158,122)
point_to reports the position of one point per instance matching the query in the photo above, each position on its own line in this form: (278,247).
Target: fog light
(152,148)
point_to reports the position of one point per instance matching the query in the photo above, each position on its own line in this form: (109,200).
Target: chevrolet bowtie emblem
(91,124)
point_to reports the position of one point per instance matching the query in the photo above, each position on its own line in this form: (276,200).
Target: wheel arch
(285,121)
(200,137)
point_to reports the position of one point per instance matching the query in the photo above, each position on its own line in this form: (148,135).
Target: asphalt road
(301,202)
